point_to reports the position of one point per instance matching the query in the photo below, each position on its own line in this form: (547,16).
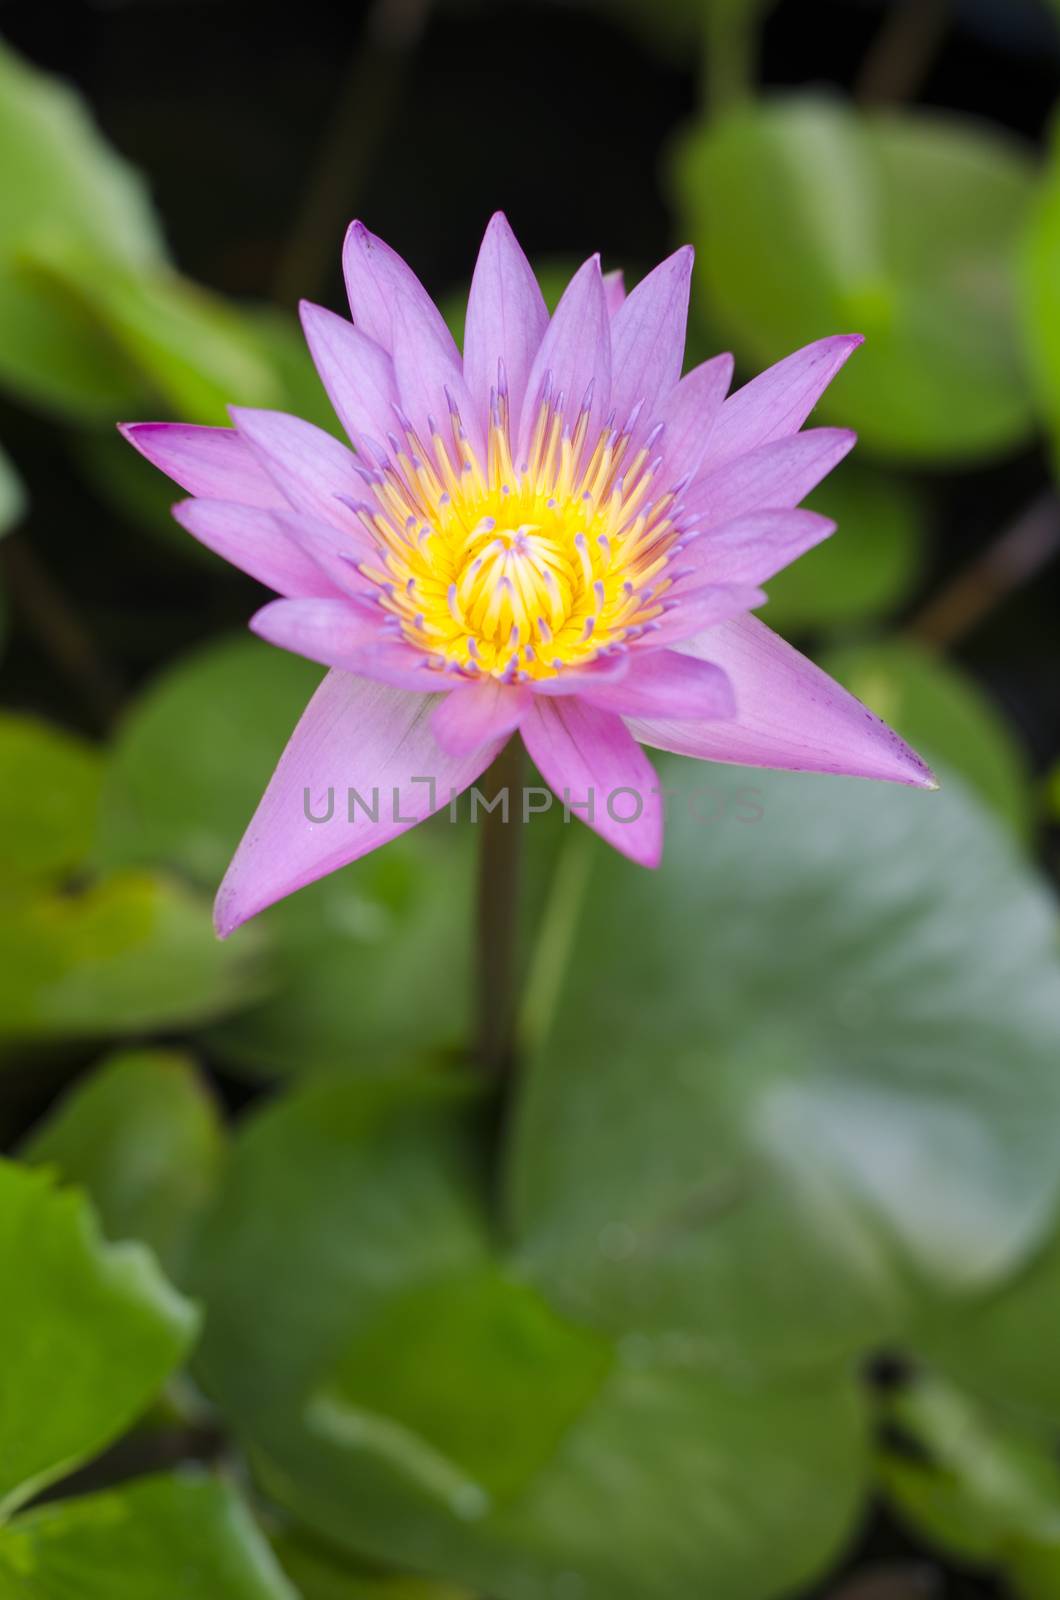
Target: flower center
(520,572)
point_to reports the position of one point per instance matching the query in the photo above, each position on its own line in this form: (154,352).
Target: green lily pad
(374,1352)
(90,1332)
(974,1485)
(183,1537)
(811,218)
(143,1135)
(129,952)
(817,1082)
(48,799)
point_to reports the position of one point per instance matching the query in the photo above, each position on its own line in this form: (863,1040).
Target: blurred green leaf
(976,1488)
(96,322)
(1003,1345)
(1040,286)
(132,951)
(819,1076)
(185,1537)
(945,715)
(372,1390)
(63,183)
(189,349)
(48,799)
(187,770)
(866,568)
(418,1361)
(12,495)
(143,1135)
(813,219)
(89,1333)
(324,1575)
(350,950)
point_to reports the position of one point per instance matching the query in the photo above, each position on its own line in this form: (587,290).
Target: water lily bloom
(554,533)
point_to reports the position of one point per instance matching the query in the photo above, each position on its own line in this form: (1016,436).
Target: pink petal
(648,338)
(471,717)
(430,380)
(614,290)
(506,320)
(255,541)
(689,412)
(357,374)
(691,613)
(750,549)
(778,401)
(349,636)
(213,462)
(353,735)
(390,305)
(377,282)
(334,632)
(789,714)
(316,473)
(333,551)
(659,683)
(575,355)
(392,660)
(774,477)
(589,760)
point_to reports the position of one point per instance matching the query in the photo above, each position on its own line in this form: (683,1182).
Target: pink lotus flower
(555,534)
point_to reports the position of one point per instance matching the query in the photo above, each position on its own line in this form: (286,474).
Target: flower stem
(730,46)
(367,105)
(500,851)
(901,55)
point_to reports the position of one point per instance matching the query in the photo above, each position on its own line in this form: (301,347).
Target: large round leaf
(813,219)
(1003,1346)
(48,801)
(142,1134)
(89,1333)
(805,1069)
(407,1396)
(129,952)
(162,1538)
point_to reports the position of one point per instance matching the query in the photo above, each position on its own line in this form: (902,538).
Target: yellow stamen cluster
(520,572)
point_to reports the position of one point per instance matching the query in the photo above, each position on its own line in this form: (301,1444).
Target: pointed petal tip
(227,917)
(644,851)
